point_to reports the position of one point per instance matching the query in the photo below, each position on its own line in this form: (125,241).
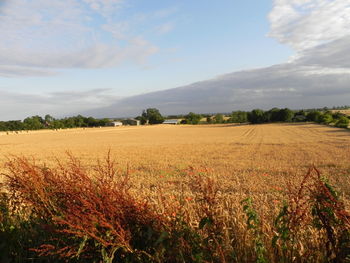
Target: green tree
(286,115)
(342,122)
(192,118)
(313,116)
(256,116)
(48,119)
(57,124)
(326,118)
(219,118)
(34,123)
(238,117)
(152,115)
(273,115)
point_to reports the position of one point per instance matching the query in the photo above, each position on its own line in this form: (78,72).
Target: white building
(115,123)
(172,121)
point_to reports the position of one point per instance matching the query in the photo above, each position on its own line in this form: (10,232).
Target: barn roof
(171,121)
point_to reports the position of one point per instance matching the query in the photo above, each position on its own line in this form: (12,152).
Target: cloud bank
(58,104)
(318,75)
(285,85)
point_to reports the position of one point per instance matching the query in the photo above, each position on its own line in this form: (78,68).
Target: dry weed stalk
(94,207)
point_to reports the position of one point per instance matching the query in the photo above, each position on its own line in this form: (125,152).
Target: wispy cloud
(164,28)
(43,36)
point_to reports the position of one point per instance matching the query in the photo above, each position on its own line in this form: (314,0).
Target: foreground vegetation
(89,214)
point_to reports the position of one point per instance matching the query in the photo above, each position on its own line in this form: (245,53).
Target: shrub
(325,118)
(91,209)
(192,118)
(343,122)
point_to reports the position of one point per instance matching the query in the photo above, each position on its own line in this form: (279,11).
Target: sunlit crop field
(252,157)
(165,165)
(346,112)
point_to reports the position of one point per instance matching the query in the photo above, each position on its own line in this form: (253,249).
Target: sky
(116,57)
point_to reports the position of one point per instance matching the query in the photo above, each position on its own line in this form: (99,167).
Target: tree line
(153,116)
(49,122)
(256,116)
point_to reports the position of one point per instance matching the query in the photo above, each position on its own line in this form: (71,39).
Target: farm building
(131,122)
(172,121)
(115,123)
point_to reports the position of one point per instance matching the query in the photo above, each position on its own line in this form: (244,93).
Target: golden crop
(246,159)
(174,167)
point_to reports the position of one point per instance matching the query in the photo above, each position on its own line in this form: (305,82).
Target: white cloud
(15,71)
(38,34)
(304,24)
(335,54)
(165,28)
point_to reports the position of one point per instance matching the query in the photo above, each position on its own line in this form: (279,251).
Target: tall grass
(78,213)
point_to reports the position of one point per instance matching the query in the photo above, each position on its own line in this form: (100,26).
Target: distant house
(115,123)
(132,122)
(172,121)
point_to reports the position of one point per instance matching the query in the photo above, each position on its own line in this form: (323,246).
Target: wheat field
(249,154)
(175,169)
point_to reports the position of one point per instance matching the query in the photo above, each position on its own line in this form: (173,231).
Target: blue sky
(194,42)
(103,50)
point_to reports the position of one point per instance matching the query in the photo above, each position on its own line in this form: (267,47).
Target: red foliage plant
(89,204)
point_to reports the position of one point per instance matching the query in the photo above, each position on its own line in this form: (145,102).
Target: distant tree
(192,118)
(34,123)
(256,116)
(286,115)
(337,115)
(326,118)
(79,121)
(144,117)
(12,126)
(342,122)
(152,115)
(57,124)
(175,116)
(272,115)
(219,118)
(313,116)
(238,117)
(184,121)
(209,119)
(48,119)
(68,122)
(92,122)
(301,113)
